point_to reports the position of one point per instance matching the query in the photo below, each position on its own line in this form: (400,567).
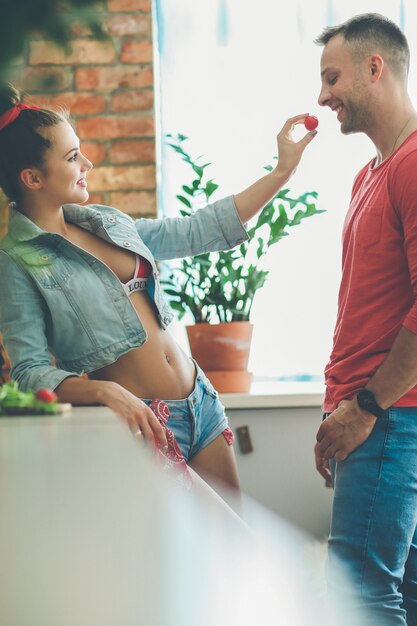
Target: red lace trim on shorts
(171,459)
(228,435)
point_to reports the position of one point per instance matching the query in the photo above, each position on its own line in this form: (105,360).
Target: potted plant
(217,289)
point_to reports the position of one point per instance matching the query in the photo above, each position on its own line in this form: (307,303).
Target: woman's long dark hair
(22,144)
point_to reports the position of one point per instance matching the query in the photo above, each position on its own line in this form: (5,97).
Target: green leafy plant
(220,286)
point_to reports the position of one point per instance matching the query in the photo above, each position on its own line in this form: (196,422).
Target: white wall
(231,98)
(280,472)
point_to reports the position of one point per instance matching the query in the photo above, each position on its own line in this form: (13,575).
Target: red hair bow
(9,116)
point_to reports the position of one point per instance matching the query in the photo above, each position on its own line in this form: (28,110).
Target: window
(231,73)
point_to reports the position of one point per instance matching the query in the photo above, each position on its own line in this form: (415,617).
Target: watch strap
(366,401)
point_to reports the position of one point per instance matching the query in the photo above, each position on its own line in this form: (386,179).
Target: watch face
(367,403)
(366,400)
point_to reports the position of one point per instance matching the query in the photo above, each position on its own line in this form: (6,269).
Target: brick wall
(108,87)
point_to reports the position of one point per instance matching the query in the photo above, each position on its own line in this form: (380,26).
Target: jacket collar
(21,228)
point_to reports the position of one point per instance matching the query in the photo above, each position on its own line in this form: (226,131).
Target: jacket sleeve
(23,315)
(214,227)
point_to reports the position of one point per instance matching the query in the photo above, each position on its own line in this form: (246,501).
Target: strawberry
(46,395)
(311,122)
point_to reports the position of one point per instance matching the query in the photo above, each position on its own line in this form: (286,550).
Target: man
(368,441)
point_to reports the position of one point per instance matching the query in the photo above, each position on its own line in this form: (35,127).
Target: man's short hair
(371,32)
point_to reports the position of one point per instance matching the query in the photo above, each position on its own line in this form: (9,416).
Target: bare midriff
(159,368)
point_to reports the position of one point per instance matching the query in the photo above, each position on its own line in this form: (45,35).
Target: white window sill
(267,395)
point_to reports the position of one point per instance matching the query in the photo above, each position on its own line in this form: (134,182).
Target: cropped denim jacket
(58,300)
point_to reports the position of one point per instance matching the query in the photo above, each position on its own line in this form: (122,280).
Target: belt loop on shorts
(197,369)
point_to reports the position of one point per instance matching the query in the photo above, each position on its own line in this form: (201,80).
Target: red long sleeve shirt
(378,291)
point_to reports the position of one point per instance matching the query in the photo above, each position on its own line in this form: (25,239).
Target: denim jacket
(57,299)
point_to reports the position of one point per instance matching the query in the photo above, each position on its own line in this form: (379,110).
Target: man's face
(344,87)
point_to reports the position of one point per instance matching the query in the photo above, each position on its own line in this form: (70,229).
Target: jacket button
(44,257)
(126,244)
(111,220)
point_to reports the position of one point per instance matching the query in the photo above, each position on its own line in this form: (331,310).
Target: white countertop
(268,395)
(92,532)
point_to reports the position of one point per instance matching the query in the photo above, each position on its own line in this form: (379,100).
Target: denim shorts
(198,420)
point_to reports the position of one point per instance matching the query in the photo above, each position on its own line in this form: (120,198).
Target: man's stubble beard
(359,117)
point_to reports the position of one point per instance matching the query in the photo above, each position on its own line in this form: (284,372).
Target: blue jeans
(373,530)
(197,420)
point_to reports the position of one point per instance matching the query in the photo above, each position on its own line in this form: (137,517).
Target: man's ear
(376,66)
(31,179)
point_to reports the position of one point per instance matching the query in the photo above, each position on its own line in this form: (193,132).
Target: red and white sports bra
(139,282)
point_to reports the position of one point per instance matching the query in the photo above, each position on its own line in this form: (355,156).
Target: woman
(80,283)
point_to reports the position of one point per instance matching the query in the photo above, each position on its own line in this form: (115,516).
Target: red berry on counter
(311,122)
(46,395)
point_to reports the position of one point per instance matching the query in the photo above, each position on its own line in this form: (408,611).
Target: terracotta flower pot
(222,351)
(230,381)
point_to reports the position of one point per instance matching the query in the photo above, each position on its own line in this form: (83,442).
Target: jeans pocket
(332,467)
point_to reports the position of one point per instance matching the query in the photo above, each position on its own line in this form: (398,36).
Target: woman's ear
(31,179)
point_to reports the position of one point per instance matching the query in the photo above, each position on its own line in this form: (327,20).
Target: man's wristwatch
(366,400)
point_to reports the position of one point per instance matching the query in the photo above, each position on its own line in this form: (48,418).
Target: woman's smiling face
(63,174)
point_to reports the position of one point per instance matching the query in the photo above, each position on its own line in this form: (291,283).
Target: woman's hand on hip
(139,417)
